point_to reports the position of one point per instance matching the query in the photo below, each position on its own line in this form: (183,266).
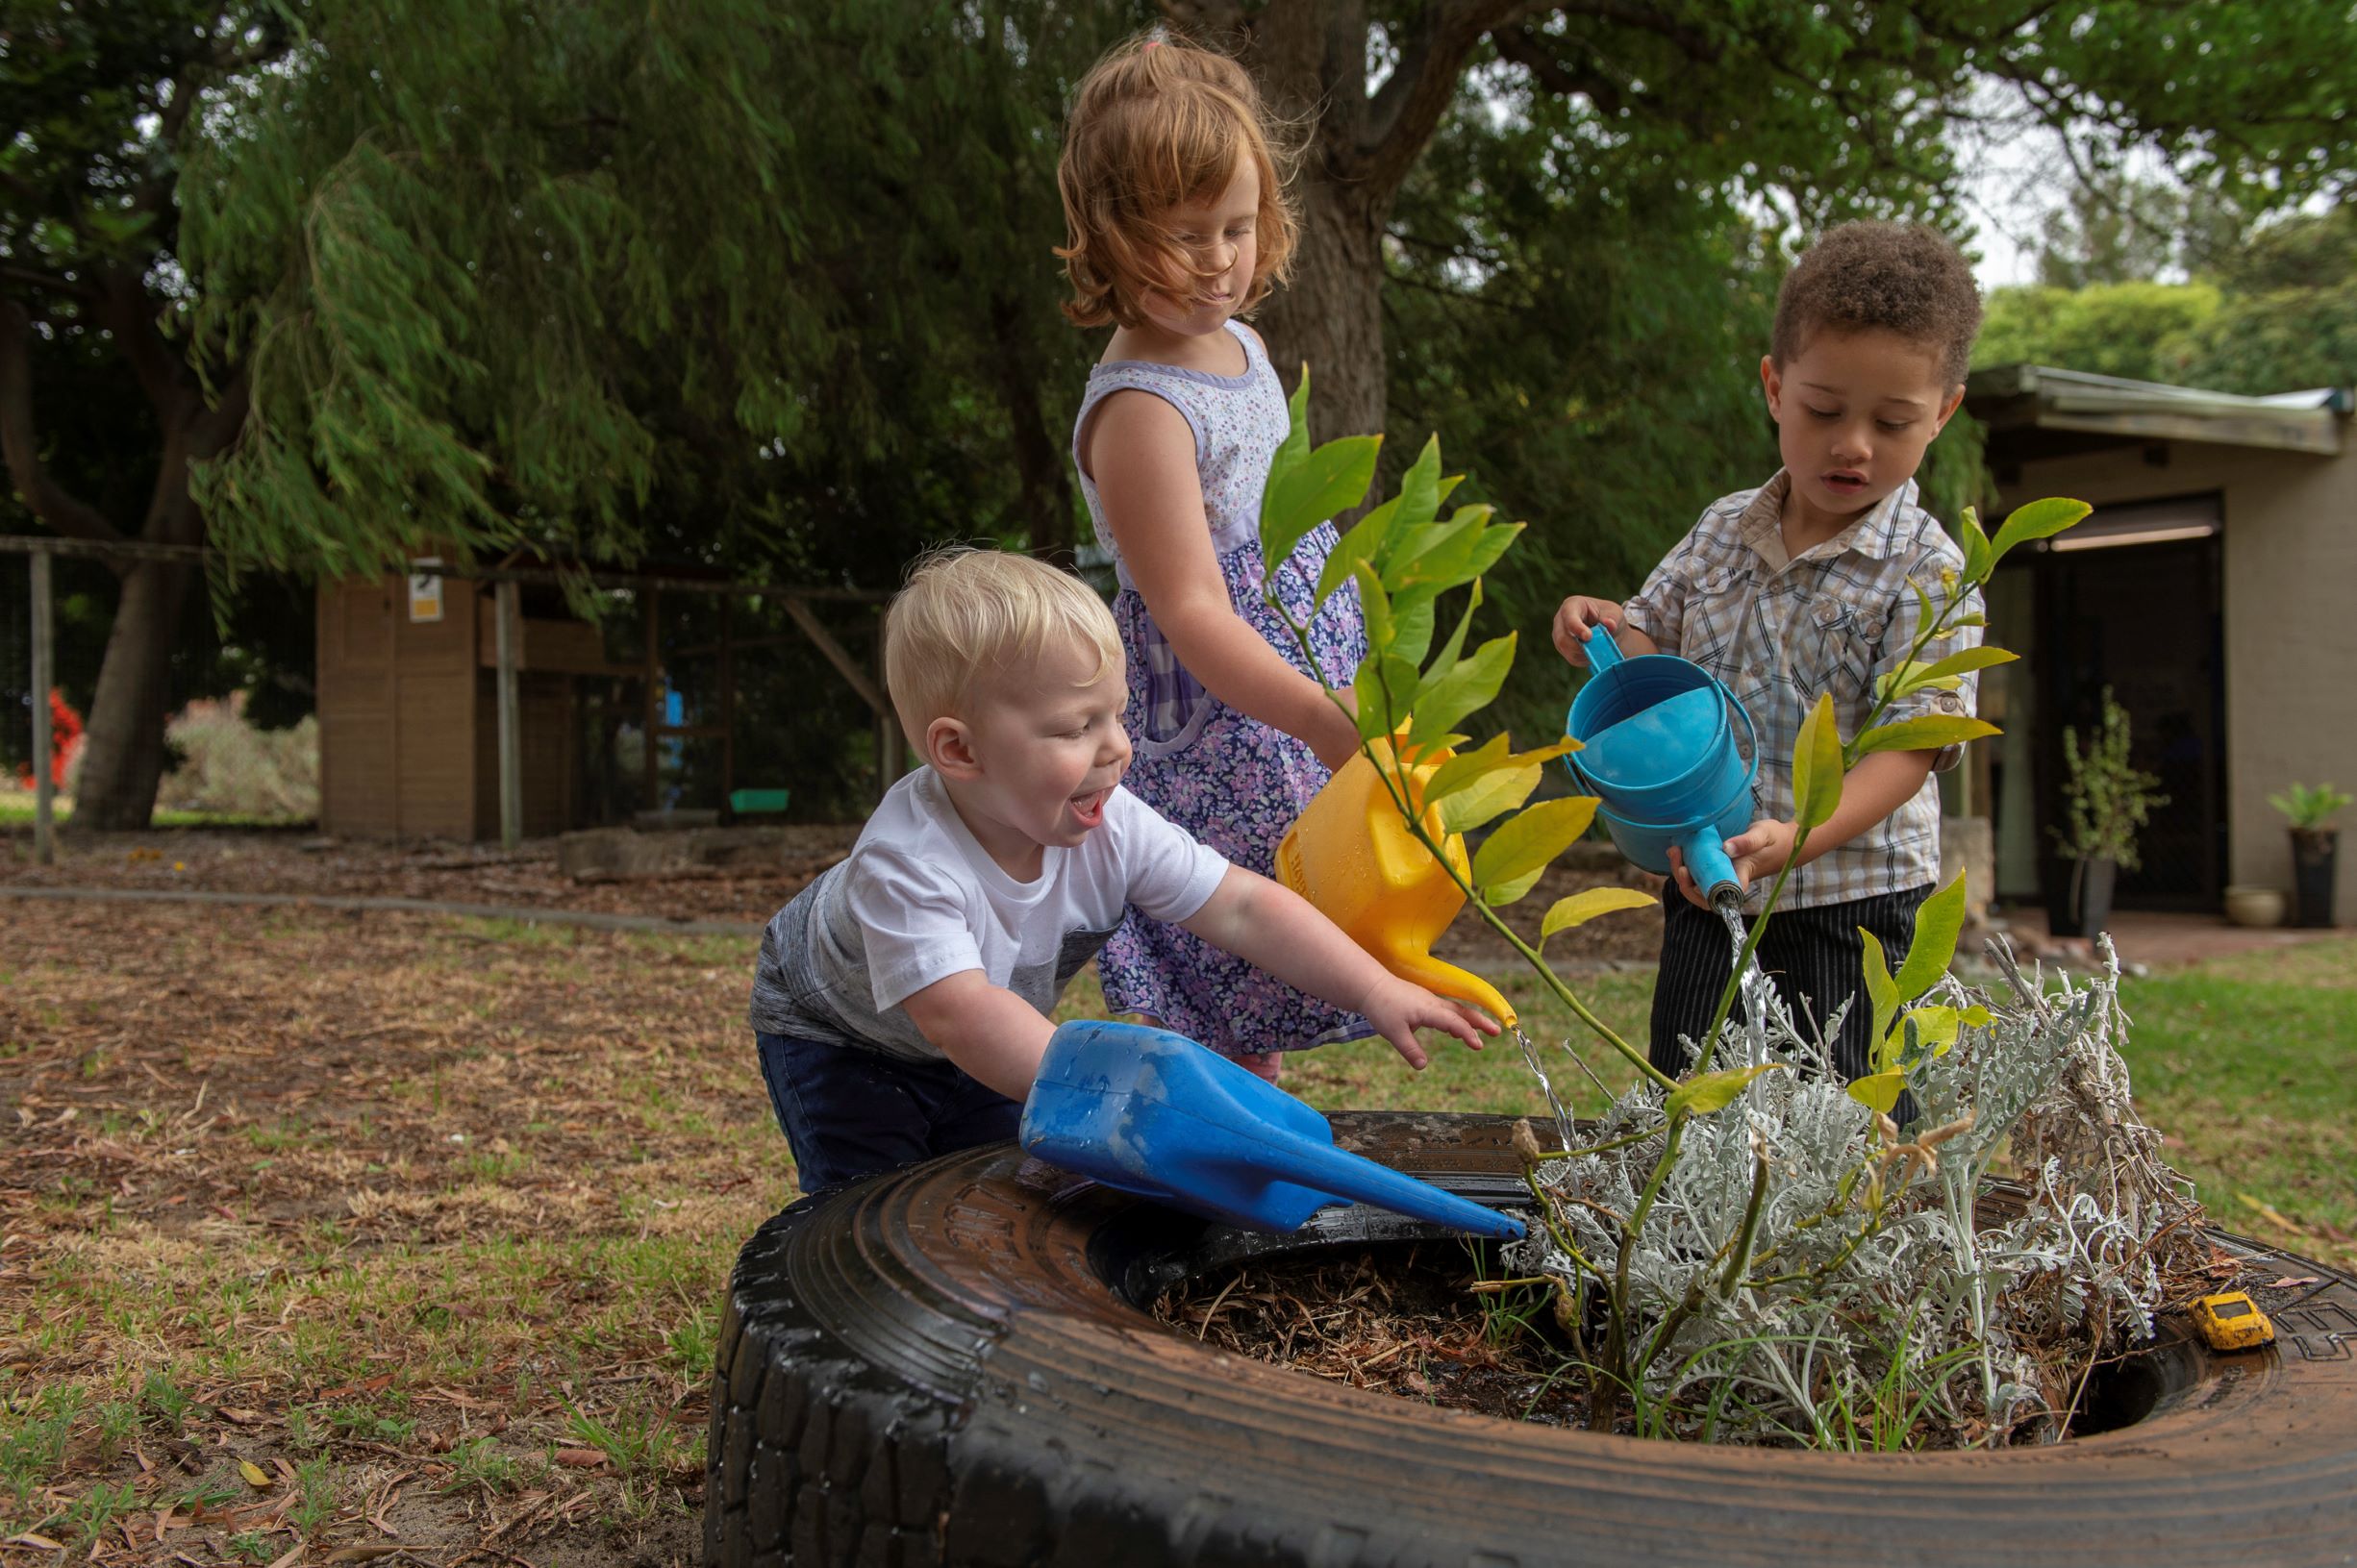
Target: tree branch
(1522,46)
(129,310)
(1697,46)
(1408,107)
(218,425)
(19,443)
(54,283)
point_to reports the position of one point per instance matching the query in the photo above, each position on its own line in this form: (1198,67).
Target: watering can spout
(1351,855)
(1706,859)
(1152,1112)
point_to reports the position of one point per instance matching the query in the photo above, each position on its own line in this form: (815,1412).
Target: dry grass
(362,1236)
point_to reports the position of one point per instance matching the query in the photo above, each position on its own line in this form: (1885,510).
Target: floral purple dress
(1231,781)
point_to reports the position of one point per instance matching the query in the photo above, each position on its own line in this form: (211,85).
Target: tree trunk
(1330,313)
(122,749)
(1310,58)
(1042,465)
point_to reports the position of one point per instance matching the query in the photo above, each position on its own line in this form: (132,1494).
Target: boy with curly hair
(1800,587)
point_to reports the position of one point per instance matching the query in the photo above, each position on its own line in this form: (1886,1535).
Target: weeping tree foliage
(505,286)
(764,287)
(424,246)
(99,444)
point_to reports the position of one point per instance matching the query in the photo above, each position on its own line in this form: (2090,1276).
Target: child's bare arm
(1141,456)
(1578,618)
(1877,786)
(992,1035)
(1275,928)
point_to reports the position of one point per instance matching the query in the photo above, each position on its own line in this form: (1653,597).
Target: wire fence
(15,666)
(811,716)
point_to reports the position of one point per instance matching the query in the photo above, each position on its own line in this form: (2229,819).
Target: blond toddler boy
(900,1005)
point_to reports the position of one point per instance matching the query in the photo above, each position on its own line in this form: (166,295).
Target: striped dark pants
(1814,957)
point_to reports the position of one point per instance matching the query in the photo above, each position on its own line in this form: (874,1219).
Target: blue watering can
(1154,1113)
(1658,748)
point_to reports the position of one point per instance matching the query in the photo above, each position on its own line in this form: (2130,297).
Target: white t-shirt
(920,899)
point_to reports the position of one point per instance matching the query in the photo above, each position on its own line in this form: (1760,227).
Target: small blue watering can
(1154,1113)
(1659,750)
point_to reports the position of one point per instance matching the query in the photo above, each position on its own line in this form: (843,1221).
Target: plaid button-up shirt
(1779,630)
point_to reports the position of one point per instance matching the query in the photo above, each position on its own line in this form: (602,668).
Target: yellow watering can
(1351,855)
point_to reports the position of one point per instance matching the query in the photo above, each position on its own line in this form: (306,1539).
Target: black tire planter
(945,1366)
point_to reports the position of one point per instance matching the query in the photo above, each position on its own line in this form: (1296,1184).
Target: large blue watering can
(1154,1113)
(1658,748)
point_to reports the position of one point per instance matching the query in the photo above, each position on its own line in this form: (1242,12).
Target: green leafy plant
(1687,1232)
(2107,799)
(2310,808)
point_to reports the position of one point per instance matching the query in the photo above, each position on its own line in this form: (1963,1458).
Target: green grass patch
(2243,1062)
(17,811)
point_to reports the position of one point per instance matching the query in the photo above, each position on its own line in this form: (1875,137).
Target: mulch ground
(337,1237)
(1401,1320)
(302,863)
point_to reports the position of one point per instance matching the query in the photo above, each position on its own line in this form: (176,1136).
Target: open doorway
(2132,601)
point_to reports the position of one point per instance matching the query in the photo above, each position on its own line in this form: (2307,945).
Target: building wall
(396,711)
(2291,625)
(354,672)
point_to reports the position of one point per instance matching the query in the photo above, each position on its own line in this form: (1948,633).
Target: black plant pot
(2085,907)
(2314,849)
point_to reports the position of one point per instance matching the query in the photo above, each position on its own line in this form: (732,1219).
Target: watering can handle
(1603,652)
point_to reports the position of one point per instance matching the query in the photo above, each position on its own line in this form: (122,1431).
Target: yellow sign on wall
(426,590)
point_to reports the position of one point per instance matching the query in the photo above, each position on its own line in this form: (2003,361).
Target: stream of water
(1530,1056)
(1758,997)
(1761,1003)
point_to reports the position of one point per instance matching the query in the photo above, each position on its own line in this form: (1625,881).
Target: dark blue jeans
(852,1113)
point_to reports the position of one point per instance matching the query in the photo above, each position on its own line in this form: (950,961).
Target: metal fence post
(45,676)
(510,751)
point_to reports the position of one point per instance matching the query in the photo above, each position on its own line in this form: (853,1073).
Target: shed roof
(2037,410)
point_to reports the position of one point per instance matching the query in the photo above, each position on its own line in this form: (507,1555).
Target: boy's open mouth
(1090,808)
(1845,484)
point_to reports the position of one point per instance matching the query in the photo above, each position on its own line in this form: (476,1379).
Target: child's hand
(1577,619)
(1398,1009)
(1759,850)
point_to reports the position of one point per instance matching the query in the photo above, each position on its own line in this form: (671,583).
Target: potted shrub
(2314,839)
(2107,801)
